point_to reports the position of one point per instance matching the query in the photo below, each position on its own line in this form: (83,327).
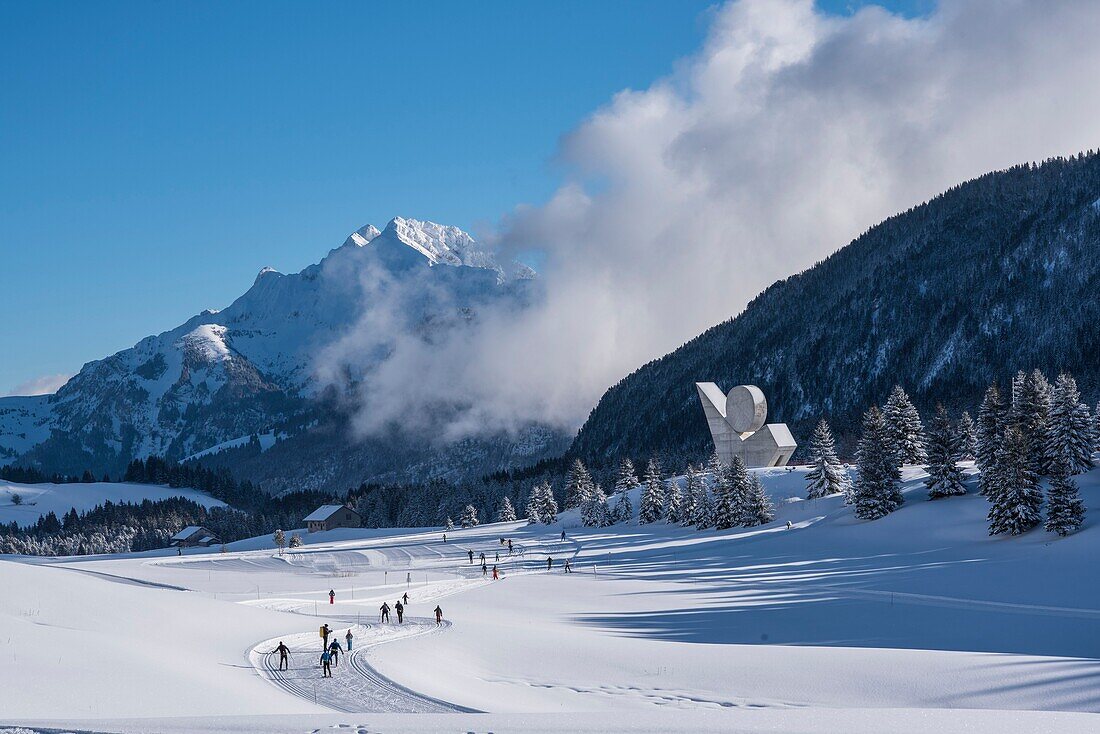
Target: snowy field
(912,623)
(40,499)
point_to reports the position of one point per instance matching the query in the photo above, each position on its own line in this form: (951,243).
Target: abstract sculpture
(737,426)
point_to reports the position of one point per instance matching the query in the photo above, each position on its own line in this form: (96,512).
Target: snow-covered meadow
(914,622)
(36,500)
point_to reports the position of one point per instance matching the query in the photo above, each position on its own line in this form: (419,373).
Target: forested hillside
(996,275)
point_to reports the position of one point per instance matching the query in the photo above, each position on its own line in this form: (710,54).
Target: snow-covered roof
(188,531)
(322,513)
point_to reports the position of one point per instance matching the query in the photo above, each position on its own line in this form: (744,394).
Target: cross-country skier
(284,652)
(331,596)
(497,557)
(567,569)
(334,652)
(549,562)
(482,558)
(563,534)
(325,632)
(788,525)
(349,637)
(438,616)
(326,664)
(385,612)
(509,546)
(495,575)
(471,552)
(444,537)
(397,607)
(405,598)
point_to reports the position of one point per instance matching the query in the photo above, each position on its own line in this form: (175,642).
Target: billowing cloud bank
(788,134)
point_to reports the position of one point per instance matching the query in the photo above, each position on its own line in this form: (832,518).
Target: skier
(284,652)
(788,525)
(497,557)
(444,537)
(334,652)
(482,558)
(495,575)
(484,569)
(471,552)
(349,637)
(567,570)
(509,546)
(385,612)
(563,534)
(405,598)
(326,664)
(400,611)
(438,616)
(331,596)
(549,562)
(325,632)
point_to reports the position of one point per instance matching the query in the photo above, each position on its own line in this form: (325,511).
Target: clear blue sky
(154,156)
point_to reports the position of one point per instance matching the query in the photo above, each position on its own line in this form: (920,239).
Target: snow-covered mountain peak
(263,271)
(440,243)
(362,236)
(205,343)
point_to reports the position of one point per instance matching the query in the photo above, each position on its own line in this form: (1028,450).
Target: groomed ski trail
(355,686)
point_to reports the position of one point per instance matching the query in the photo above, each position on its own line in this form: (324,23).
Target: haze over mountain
(997,275)
(267,363)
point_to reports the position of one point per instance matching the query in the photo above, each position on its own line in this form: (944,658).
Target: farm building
(328,517)
(193,536)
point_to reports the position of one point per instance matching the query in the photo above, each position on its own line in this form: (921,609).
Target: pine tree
(1016,497)
(875,492)
(1065,510)
(1030,413)
(594,511)
(450,524)
(991,426)
(692,484)
(295,540)
(279,537)
(469,517)
(758,507)
(729,495)
(1068,448)
(627,479)
(1096,427)
(827,475)
(968,436)
(579,486)
(674,502)
(652,506)
(506,513)
(703,517)
(904,432)
(547,506)
(945,478)
(624,510)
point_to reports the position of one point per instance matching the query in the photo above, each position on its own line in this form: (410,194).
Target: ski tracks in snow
(355,686)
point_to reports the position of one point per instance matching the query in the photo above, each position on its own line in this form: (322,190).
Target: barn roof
(322,513)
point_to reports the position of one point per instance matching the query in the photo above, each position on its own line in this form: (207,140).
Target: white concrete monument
(737,425)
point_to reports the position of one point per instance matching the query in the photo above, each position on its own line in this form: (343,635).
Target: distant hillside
(996,275)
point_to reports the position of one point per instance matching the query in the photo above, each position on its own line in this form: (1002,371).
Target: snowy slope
(915,622)
(253,365)
(40,499)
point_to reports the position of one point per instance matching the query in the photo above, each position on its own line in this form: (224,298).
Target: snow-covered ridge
(441,244)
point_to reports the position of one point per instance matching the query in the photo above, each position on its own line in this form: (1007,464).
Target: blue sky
(154,156)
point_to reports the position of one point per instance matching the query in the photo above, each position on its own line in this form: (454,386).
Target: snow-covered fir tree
(692,484)
(1030,412)
(579,486)
(627,479)
(295,540)
(468,517)
(827,475)
(730,494)
(1096,427)
(704,509)
(652,506)
(623,510)
(595,512)
(506,513)
(450,524)
(548,506)
(991,425)
(945,478)
(279,538)
(904,432)
(1065,510)
(758,509)
(875,492)
(1015,497)
(1069,440)
(674,502)
(968,436)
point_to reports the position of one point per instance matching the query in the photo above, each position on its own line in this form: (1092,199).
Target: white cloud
(785,136)
(43,385)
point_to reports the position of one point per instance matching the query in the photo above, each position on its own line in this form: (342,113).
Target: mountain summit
(251,368)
